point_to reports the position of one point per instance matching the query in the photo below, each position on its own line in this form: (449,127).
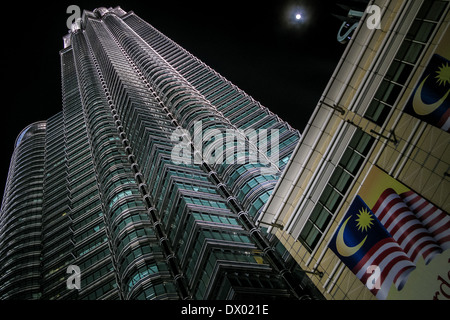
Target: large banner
(395,241)
(430,100)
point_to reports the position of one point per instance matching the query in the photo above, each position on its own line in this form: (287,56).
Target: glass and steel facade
(111,200)
(21,216)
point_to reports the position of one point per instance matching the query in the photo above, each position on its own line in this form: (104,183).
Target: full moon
(298,16)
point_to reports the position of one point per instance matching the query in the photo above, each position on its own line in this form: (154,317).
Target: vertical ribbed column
(56,236)
(99,38)
(21,217)
(161,80)
(75,228)
(140,269)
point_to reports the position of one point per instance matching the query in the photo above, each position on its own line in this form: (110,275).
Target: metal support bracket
(315,272)
(335,107)
(392,138)
(275,225)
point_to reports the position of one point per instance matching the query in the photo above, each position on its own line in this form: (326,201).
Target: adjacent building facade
(104,192)
(363,204)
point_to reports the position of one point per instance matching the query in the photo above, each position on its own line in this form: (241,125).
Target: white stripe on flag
(434,219)
(404,225)
(393,263)
(405,228)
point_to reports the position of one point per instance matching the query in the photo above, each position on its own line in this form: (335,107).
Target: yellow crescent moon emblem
(422,108)
(341,247)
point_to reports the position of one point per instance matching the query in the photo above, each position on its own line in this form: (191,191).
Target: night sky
(254,44)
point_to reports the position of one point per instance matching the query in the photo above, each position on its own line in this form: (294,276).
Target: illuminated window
(340,181)
(406,58)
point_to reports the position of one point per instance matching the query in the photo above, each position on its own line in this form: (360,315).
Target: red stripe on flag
(386,193)
(388,267)
(393,214)
(411,229)
(435,221)
(411,196)
(377,261)
(430,251)
(408,193)
(427,214)
(430,217)
(444,239)
(442,229)
(416,251)
(418,209)
(387,270)
(403,270)
(380,258)
(371,252)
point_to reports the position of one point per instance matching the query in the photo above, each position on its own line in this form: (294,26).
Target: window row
(336,188)
(417,37)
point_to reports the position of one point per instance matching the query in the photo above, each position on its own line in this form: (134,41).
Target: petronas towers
(102,201)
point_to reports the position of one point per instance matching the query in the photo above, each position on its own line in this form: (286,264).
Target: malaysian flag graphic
(394,268)
(367,248)
(420,228)
(382,245)
(430,100)
(434,219)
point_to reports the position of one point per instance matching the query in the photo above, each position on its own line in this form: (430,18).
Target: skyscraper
(120,188)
